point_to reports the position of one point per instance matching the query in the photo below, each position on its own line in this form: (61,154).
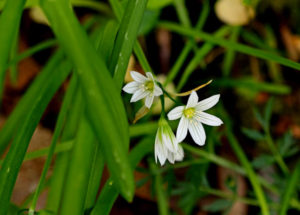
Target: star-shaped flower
(143,87)
(192,117)
(166,146)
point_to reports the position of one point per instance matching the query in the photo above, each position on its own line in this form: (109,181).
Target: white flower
(143,87)
(192,117)
(166,145)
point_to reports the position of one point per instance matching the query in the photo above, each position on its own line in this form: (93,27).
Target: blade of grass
(9,23)
(182,12)
(16,153)
(57,131)
(39,47)
(50,79)
(229,44)
(162,200)
(247,165)
(13,69)
(75,189)
(103,101)
(252,85)
(125,40)
(230,54)
(108,193)
(62,160)
(200,54)
(189,46)
(291,187)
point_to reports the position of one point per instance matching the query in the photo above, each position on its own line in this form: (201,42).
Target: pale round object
(234,12)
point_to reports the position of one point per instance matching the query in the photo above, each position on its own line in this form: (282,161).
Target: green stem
(276,153)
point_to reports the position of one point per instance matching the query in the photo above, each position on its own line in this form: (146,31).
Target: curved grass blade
(9,23)
(58,128)
(292,184)
(109,193)
(50,79)
(125,40)
(262,54)
(16,153)
(105,109)
(75,189)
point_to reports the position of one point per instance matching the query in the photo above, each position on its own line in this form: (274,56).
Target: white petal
(193,100)
(182,129)
(149,100)
(179,154)
(170,142)
(209,119)
(171,157)
(197,132)
(149,75)
(131,87)
(207,103)
(157,90)
(138,77)
(175,113)
(160,151)
(139,95)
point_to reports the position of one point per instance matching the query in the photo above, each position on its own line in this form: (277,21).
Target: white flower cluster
(191,116)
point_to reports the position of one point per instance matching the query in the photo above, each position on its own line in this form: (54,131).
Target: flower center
(149,85)
(189,112)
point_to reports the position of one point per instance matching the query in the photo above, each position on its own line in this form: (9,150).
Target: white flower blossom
(143,87)
(166,146)
(192,117)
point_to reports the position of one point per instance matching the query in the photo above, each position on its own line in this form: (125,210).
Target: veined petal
(157,90)
(131,87)
(170,141)
(197,132)
(182,129)
(138,77)
(139,95)
(149,100)
(160,151)
(150,76)
(175,113)
(179,154)
(193,100)
(208,119)
(208,103)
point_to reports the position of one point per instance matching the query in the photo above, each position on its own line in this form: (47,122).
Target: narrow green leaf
(251,84)
(50,79)
(253,134)
(75,189)
(62,160)
(125,40)
(292,184)
(247,165)
(219,205)
(57,131)
(15,155)
(105,109)
(109,193)
(229,44)
(9,23)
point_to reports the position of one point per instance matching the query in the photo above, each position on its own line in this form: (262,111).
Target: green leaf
(9,23)
(290,189)
(265,55)
(50,79)
(77,178)
(125,40)
(149,21)
(268,111)
(16,153)
(263,161)
(108,193)
(158,4)
(104,106)
(253,134)
(219,205)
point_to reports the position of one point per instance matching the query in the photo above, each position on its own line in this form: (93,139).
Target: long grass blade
(105,109)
